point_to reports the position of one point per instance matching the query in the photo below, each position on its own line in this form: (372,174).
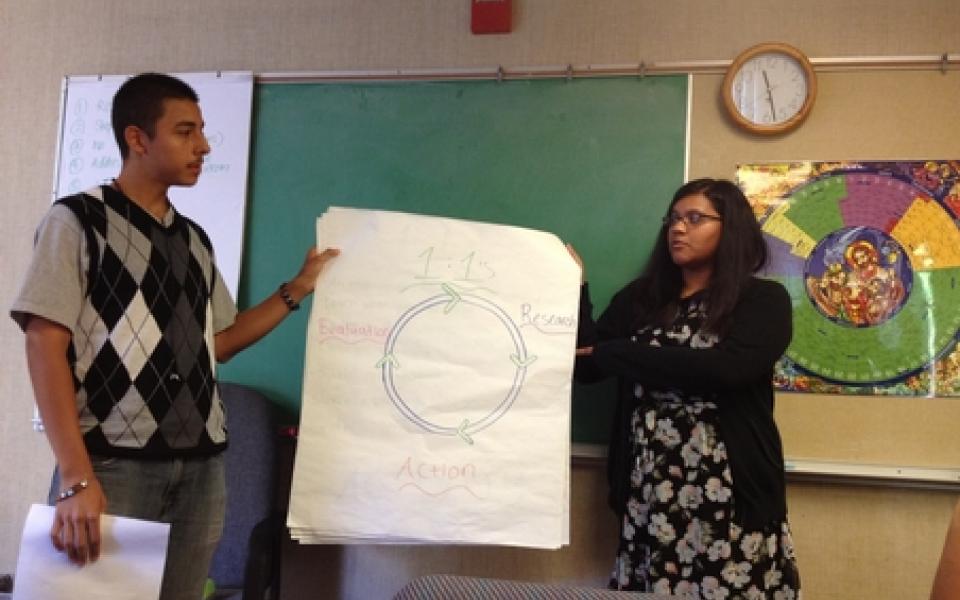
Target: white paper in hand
(130,566)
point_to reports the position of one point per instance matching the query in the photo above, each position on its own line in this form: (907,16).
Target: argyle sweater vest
(142,351)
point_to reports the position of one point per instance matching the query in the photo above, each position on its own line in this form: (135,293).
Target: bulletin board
(859,116)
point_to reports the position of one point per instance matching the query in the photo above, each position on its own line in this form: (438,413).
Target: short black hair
(139,102)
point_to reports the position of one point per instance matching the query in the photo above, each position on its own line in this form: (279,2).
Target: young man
(125,313)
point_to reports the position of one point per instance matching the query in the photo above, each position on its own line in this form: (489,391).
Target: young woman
(696,463)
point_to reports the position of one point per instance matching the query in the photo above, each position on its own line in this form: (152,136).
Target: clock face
(770,88)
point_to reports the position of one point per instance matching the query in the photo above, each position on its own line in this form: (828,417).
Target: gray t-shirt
(55,283)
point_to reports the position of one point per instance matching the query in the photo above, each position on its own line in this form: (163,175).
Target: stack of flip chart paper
(436,394)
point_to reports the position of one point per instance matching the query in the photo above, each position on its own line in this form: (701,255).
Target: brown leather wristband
(73,490)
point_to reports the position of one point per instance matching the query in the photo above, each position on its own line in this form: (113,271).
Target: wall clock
(769,88)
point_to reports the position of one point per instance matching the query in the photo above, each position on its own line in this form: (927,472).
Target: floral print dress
(679,535)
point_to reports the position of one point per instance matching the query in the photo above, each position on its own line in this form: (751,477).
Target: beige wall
(853,542)
(863,115)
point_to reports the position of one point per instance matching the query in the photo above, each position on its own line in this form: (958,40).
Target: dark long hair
(740,253)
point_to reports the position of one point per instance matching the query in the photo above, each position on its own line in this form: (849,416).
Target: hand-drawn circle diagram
(872,262)
(410,394)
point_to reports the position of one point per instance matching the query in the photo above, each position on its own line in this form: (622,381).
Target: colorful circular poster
(870,254)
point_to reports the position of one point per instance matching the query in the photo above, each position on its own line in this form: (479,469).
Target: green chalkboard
(593,161)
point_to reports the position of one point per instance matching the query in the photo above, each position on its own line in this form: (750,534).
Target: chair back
(459,587)
(250,470)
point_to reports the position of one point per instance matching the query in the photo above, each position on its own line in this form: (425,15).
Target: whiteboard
(87,154)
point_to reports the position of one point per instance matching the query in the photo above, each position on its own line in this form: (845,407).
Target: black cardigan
(739,369)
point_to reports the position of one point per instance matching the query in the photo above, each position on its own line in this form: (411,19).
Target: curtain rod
(944,62)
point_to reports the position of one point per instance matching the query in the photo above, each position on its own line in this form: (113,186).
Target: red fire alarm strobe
(491,16)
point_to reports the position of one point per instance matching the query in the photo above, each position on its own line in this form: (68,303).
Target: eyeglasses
(691,218)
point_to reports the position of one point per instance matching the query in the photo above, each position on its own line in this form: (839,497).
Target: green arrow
(388,358)
(454,297)
(462,432)
(523,363)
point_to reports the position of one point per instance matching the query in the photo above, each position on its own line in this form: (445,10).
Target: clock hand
(773,109)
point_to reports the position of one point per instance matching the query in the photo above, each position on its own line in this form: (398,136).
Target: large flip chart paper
(436,403)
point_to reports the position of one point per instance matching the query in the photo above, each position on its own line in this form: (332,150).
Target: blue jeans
(187,493)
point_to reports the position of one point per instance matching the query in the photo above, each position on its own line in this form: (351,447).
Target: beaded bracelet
(73,490)
(287,299)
